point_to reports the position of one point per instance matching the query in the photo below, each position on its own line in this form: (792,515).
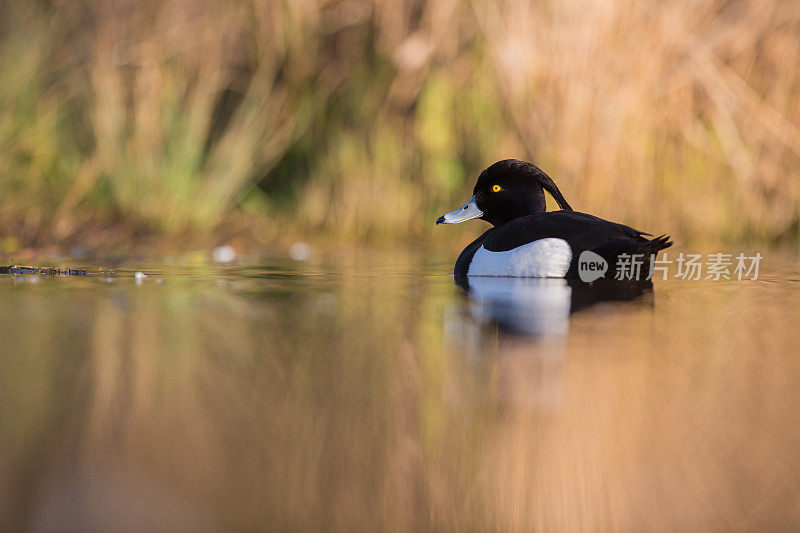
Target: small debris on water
(44,271)
(140,275)
(224,254)
(300,251)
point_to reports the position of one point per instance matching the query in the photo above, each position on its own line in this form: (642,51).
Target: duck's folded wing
(581,231)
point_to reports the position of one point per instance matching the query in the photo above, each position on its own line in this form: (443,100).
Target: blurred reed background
(363,120)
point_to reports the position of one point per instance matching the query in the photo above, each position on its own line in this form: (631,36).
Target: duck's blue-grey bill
(468,211)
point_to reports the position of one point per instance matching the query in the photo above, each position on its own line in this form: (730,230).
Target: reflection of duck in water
(527,241)
(541,306)
(532,306)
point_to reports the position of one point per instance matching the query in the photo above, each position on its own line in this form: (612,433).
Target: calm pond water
(367,391)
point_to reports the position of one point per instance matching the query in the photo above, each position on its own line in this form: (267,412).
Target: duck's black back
(581,231)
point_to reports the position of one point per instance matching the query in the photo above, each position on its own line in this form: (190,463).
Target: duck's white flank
(545,258)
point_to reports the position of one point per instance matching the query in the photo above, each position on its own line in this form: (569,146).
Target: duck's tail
(653,246)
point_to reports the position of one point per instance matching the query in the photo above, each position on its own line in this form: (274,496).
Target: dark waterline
(369,392)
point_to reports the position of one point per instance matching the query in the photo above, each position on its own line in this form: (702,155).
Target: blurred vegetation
(366,119)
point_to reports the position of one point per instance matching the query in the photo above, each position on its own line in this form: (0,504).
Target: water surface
(367,391)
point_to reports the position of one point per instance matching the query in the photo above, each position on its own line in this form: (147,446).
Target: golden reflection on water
(370,393)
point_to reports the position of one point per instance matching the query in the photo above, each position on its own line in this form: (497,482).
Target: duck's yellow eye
(496,188)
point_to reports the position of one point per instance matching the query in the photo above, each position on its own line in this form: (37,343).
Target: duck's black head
(507,190)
